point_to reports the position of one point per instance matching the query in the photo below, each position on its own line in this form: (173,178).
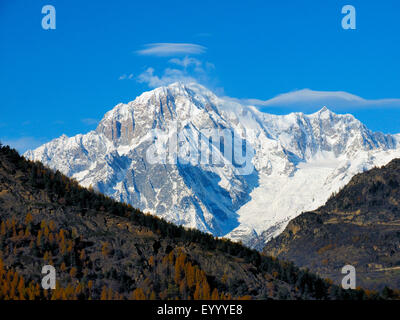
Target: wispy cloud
(186,62)
(89,121)
(23,144)
(171,49)
(126,76)
(169,76)
(307,98)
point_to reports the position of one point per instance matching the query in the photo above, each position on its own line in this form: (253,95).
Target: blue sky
(101,53)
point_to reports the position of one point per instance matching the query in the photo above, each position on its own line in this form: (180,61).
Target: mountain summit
(288,164)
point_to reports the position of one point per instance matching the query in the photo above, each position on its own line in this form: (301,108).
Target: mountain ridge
(225,200)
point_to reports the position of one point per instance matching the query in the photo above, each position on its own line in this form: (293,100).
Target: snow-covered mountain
(288,164)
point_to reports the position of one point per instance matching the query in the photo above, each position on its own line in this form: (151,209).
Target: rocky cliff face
(289,164)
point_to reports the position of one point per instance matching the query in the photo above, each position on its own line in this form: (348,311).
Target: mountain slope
(103,249)
(359,226)
(249,200)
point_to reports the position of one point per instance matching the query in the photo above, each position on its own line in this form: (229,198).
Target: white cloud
(184,69)
(171,49)
(307,98)
(23,144)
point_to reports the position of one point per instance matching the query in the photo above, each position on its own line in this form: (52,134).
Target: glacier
(298,160)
